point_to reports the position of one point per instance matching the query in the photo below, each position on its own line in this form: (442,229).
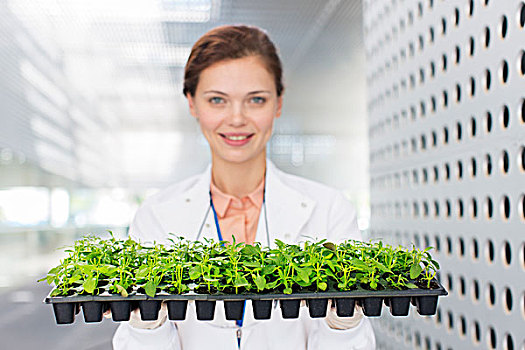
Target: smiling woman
(233,84)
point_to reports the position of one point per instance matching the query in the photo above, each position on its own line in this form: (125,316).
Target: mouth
(236,139)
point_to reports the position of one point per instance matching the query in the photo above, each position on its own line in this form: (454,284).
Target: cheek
(209,123)
(264,124)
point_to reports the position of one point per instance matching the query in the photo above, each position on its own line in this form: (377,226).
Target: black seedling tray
(93,307)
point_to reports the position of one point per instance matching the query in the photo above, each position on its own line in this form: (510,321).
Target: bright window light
(24,206)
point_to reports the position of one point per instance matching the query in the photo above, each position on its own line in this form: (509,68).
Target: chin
(239,157)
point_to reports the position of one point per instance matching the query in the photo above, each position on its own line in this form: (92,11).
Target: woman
(234,89)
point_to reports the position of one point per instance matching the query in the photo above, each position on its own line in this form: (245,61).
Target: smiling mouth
(237,137)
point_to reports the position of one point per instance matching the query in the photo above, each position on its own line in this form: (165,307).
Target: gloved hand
(335,322)
(136,322)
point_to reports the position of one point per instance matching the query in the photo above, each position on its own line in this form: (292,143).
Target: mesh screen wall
(446,104)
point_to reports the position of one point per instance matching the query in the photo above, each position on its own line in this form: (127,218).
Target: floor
(26,323)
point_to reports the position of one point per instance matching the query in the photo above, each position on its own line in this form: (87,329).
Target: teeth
(236,138)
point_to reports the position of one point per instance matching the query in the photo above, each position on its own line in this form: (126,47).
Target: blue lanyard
(238,322)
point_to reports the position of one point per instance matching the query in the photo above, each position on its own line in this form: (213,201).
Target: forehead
(237,75)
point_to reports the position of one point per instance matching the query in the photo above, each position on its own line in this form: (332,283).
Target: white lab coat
(296,209)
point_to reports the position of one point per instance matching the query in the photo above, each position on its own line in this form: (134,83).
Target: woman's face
(236,103)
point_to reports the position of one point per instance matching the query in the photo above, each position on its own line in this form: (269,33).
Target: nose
(237,116)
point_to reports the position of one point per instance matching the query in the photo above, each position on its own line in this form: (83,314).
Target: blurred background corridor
(414,109)
(93,120)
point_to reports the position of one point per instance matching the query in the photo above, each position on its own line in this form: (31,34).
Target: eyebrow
(225,94)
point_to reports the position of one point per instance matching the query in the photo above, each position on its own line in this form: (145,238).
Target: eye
(258,100)
(216,100)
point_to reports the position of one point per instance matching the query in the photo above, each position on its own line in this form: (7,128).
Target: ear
(191,105)
(279,106)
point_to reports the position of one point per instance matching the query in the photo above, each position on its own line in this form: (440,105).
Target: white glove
(136,322)
(335,322)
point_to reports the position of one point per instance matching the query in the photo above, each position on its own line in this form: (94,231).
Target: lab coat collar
(288,210)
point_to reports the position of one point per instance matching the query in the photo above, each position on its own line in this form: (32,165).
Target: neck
(238,179)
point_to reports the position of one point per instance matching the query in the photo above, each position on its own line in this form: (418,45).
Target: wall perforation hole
(458,93)
(472,127)
(508,342)
(507,253)
(436,209)
(462,287)
(437,243)
(450,318)
(504,162)
(488,79)
(507,300)
(434,138)
(461,250)
(491,295)
(449,208)
(503,27)
(489,208)
(505,207)
(447,171)
(438,316)
(490,251)
(435,171)
(433,103)
(523,303)
(521,15)
(488,122)
(521,159)
(488,165)
(425,213)
(504,72)
(521,205)
(449,245)
(474,208)
(444,62)
(462,326)
(473,167)
(472,87)
(486,37)
(521,63)
(475,290)
(443,26)
(422,109)
(432,69)
(431,35)
(450,282)
(459,169)
(457,54)
(475,249)
(415,177)
(459,132)
(445,135)
(444,98)
(476,332)
(471,46)
(491,340)
(470,8)
(421,75)
(456,17)
(505,117)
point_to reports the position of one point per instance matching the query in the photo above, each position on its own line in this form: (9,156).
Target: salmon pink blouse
(238,217)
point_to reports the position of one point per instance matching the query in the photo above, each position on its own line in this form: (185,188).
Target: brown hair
(231,42)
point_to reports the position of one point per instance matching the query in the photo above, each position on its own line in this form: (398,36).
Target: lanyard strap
(237,322)
(216,220)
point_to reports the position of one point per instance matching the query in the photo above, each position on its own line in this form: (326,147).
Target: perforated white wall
(446,104)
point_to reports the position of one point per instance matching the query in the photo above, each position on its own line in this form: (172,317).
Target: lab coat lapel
(186,213)
(288,210)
